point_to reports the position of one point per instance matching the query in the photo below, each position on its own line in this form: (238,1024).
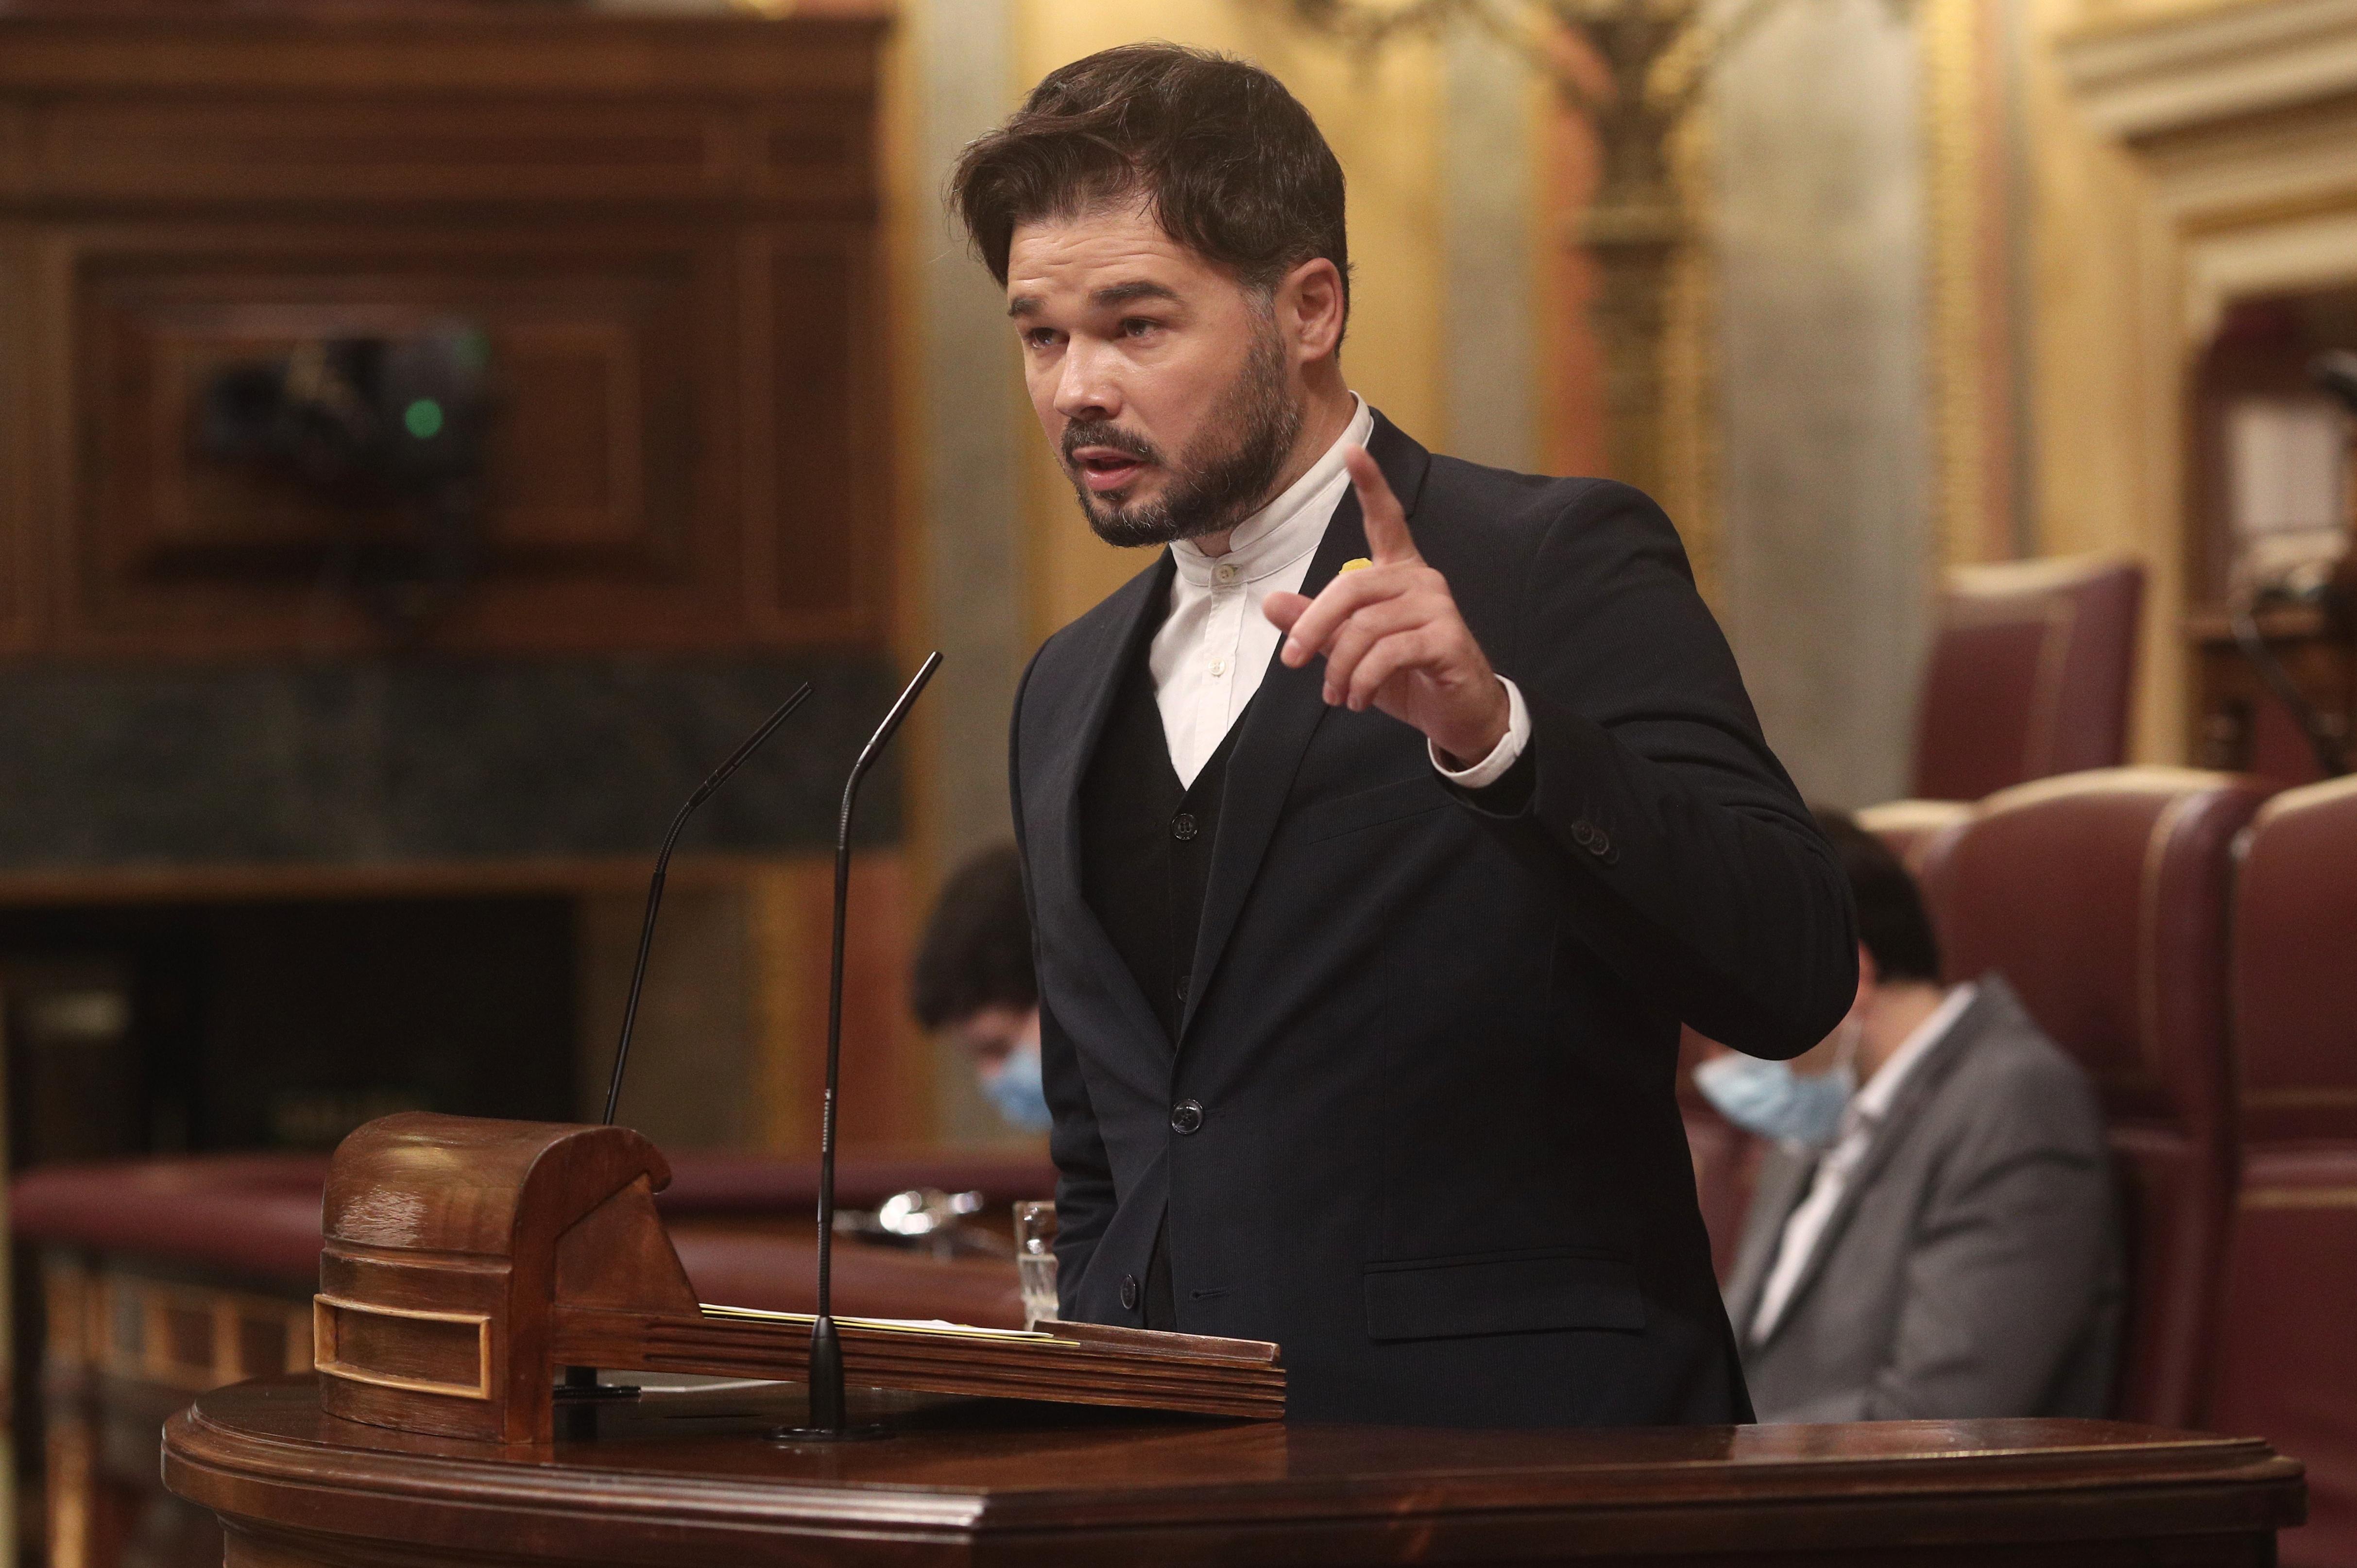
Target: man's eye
(1039,338)
(1138,327)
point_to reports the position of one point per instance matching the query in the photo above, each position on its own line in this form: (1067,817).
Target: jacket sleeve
(2006,1269)
(1085,1186)
(1689,861)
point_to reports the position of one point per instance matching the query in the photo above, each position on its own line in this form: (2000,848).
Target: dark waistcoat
(1145,842)
(1146,858)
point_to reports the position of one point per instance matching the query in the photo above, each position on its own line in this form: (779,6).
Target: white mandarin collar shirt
(1212,652)
(1860,1119)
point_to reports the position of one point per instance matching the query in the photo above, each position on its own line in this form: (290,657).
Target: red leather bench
(2287,1350)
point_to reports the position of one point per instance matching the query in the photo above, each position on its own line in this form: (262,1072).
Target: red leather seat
(2102,897)
(2030,675)
(2287,1362)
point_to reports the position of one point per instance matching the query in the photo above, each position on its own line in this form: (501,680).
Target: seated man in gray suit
(1933,1232)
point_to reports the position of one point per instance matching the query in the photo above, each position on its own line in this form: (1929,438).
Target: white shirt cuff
(1502,755)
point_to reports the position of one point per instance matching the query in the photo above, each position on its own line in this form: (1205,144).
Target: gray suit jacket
(1971,1267)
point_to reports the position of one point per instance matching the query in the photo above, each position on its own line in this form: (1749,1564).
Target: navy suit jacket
(1439,1160)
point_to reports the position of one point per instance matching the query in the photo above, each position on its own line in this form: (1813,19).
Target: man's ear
(1868,977)
(1309,308)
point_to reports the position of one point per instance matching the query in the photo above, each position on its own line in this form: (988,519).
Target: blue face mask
(1013,1086)
(1772,1099)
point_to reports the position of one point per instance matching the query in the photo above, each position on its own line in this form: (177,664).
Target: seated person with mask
(1932,1235)
(974,978)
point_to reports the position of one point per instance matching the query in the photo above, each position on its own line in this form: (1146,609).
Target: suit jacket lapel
(1913,1096)
(1065,770)
(1277,726)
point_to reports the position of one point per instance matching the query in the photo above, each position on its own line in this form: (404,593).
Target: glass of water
(1035,1261)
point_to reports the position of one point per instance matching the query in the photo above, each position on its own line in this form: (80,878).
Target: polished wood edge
(213,1465)
(2194,1484)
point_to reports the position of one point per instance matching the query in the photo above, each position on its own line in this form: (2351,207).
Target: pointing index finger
(1387,536)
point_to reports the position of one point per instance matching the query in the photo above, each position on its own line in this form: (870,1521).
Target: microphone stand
(581,1383)
(662,865)
(828,1419)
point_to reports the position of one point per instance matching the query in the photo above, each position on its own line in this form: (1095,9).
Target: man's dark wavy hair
(1234,166)
(1891,921)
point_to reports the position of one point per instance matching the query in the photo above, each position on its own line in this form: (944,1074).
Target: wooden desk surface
(682,1477)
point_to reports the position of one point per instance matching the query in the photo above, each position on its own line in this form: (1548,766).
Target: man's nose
(1086,388)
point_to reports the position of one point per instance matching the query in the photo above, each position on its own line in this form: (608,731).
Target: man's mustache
(1104,433)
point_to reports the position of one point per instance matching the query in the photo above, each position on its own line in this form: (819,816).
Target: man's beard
(1207,490)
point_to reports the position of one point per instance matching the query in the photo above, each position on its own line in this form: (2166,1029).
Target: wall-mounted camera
(389,432)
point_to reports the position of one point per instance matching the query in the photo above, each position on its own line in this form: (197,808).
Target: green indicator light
(424,418)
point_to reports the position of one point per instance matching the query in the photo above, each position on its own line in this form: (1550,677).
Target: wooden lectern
(687,1480)
(468,1261)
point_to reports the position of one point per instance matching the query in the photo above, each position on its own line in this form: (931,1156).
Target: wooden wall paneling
(667,227)
(18,489)
(819,144)
(456,51)
(822,439)
(887,1077)
(609,496)
(110,147)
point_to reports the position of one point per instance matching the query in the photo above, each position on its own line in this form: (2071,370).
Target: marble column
(1490,315)
(961,81)
(1829,550)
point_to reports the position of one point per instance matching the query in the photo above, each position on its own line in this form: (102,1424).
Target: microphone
(662,863)
(827,1421)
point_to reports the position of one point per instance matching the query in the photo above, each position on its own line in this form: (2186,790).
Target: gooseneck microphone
(828,1422)
(662,863)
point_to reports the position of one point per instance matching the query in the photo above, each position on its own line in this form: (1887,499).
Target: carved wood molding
(2214,64)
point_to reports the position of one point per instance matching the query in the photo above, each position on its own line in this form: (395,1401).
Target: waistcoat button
(1182,827)
(1186,1116)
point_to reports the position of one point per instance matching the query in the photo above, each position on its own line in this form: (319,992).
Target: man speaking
(1379,833)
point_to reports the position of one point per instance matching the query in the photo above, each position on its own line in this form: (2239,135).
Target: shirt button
(1182,827)
(1223,574)
(1129,1292)
(1219,666)
(1186,1116)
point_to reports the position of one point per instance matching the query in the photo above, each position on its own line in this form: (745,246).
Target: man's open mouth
(1106,469)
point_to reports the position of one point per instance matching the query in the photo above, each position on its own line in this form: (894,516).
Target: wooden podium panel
(680,1479)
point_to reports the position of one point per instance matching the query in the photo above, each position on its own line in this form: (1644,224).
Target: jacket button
(1600,845)
(1129,1292)
(1186,1116)
(1584,833)
(1182,827)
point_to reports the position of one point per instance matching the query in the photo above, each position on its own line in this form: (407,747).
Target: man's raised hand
(1391,637)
